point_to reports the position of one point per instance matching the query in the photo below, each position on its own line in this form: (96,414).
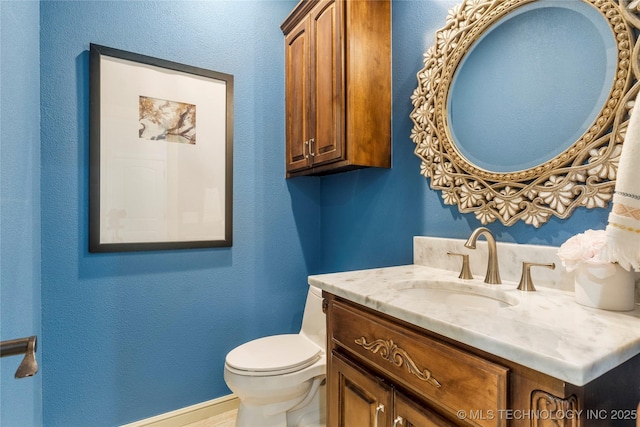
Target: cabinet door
(327,98)
(408,413)
(355,397)
(297,45)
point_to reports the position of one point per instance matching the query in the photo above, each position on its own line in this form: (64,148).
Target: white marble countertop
(545,330)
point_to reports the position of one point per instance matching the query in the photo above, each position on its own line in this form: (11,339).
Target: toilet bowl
(280,379)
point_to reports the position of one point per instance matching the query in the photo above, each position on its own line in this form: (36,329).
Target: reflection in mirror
(521,106)
(543,61)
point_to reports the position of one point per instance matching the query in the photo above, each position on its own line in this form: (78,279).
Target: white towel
(623,229)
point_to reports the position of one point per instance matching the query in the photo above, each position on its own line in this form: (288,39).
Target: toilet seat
(273,355)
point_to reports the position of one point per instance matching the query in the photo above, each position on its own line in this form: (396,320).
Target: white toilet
(280,379)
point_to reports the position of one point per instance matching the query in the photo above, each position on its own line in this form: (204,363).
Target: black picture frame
(170,184)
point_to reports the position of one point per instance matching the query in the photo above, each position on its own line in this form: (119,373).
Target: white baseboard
(190,414)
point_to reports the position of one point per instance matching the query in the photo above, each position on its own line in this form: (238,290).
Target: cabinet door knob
(397,422)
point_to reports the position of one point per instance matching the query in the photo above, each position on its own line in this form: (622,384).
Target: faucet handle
(465,272)
(526,283)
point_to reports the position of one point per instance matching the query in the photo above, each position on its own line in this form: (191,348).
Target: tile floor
(227,419)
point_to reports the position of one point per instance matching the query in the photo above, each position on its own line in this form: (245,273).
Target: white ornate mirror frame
(582,175)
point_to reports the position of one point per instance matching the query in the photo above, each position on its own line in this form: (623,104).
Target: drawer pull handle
(312,147)
(397,422)
(379,409)
(390,351)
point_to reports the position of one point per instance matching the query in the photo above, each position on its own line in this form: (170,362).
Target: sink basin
(455,294)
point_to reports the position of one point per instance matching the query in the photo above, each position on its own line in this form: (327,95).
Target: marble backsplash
(432,252)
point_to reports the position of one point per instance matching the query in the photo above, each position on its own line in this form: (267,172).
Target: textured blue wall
(131,335)
(369,217)
(20,400)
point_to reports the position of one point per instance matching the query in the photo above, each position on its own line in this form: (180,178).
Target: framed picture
(161,140)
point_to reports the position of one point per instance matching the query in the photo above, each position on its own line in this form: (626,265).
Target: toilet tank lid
(274,353)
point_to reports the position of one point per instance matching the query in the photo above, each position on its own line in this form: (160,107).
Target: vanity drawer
(447,377)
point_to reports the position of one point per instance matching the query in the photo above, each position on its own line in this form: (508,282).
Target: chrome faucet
(493,274)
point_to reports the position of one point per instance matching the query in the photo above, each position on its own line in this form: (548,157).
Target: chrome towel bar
(27,346)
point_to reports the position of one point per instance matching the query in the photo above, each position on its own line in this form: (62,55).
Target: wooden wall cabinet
(338,86)
(383,372)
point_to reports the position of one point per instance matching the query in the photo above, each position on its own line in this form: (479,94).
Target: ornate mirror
(522,105)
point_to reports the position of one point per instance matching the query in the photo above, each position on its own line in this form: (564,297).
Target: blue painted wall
(127,336)
(20,400)
(131,335)
(369,217)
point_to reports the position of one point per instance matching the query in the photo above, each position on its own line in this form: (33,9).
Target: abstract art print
(159,179)
(161,119)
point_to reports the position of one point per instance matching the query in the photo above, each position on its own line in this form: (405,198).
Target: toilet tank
(314,324)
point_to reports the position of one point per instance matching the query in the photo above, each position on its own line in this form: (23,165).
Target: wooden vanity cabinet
(409,364)
(366,400)
(337,86)
(386,372)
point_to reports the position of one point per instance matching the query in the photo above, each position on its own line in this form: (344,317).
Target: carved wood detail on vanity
(382,356)
(465,382)
(389,351)
(548,410)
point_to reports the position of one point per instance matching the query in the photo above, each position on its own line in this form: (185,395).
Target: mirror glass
(545,60)
(522,106)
